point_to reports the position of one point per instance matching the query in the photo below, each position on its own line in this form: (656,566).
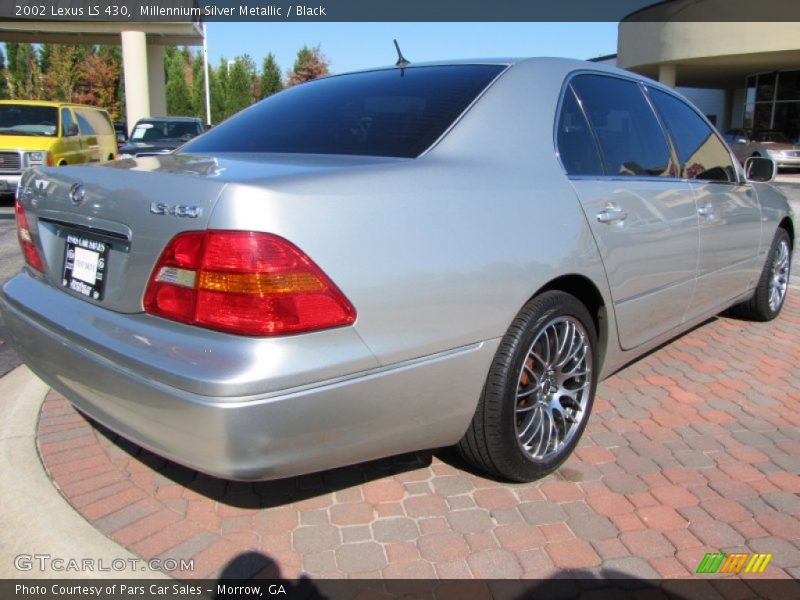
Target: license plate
(85,262)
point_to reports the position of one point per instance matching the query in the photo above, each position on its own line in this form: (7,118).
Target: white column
(134,65)
(155,78)
(667,74)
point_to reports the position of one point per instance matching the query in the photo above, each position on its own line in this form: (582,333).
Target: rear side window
(66,121)
(83,123)
(394,112)
(631,139)
(702,154)
(576,144)
(97,120)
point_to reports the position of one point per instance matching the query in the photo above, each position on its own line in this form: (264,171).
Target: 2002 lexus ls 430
(392,260)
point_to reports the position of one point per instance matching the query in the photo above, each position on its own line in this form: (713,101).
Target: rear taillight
(26,240)
(243,282)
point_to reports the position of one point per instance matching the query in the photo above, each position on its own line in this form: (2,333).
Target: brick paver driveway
(693,449)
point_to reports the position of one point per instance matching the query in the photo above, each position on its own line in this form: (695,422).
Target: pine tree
(270,81)
(240,87)
(3,77)
(179,100)
(198,87)
(25,77)
(63,74)
(220,86)
(310,64)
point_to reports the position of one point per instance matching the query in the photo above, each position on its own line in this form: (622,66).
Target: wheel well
(787,225)
(586,291)
(110,157)
(62,163)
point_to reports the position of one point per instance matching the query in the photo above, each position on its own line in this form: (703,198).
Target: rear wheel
(770,293)
(539,391)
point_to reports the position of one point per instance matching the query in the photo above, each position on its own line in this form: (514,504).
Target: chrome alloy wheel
(553,388)
(779,276)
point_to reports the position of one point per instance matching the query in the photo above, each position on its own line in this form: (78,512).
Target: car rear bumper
(377,412)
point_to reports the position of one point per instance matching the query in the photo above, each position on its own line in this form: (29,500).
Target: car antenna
(401,60)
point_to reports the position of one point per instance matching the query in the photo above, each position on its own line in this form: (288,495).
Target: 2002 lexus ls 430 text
(392,260)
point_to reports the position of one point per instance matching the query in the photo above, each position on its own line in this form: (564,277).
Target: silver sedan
(392,260)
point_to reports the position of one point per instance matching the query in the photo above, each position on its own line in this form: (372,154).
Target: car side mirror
(759,168)
(121,138)
(72,129)
(741,140)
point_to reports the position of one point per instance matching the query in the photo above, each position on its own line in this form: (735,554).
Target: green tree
(309,64)
(219,83)
(240,87)
(3,77)
(45,51)
(64,72)
(24,76)
(270,81)
(179,99)
(198,87)
(216,96)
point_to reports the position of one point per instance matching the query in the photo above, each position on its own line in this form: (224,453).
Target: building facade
(754,66)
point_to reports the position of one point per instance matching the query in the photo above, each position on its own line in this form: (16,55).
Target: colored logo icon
(735,563)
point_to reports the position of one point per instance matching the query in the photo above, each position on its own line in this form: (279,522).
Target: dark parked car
(160,135)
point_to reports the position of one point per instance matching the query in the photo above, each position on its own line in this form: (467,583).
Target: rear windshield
(24,119)
(394,112)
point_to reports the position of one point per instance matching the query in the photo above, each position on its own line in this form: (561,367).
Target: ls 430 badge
(176,210)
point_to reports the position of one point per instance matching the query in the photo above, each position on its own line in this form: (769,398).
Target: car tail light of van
(26,240)
(243,282)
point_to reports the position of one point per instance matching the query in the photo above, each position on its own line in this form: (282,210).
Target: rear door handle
(612,214)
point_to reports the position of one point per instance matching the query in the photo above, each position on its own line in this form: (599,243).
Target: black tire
(758,307)
(491,442)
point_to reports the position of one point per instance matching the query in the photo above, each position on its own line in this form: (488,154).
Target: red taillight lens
(26,240)
(244,282)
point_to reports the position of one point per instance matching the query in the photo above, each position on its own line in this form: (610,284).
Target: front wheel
(539,391)
(773,284)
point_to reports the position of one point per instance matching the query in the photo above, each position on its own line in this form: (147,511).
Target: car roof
(554,66)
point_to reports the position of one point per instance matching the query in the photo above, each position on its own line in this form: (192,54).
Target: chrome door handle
(612,214)
(706,211)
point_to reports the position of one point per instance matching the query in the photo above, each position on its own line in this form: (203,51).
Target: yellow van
(34,132)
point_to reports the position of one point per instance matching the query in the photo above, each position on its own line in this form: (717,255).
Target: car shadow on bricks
(253,495)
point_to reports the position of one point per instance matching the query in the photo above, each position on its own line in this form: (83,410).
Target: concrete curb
(34,518)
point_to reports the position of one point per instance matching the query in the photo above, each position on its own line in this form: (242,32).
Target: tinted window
(702,154)
(394,112)
(98,121)
(576,145)
(66,121)
(631,139)
(83,124)
(152,130)
(29,120)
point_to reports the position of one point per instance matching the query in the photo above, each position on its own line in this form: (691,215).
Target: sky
(351,46)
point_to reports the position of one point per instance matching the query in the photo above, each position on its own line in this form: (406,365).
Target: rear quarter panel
(443,250)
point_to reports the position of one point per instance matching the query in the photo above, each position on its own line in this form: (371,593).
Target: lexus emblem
(77,193)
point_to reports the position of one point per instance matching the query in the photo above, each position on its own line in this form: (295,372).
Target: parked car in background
(770,143)
(160,135)
(392,260)
(37,133)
